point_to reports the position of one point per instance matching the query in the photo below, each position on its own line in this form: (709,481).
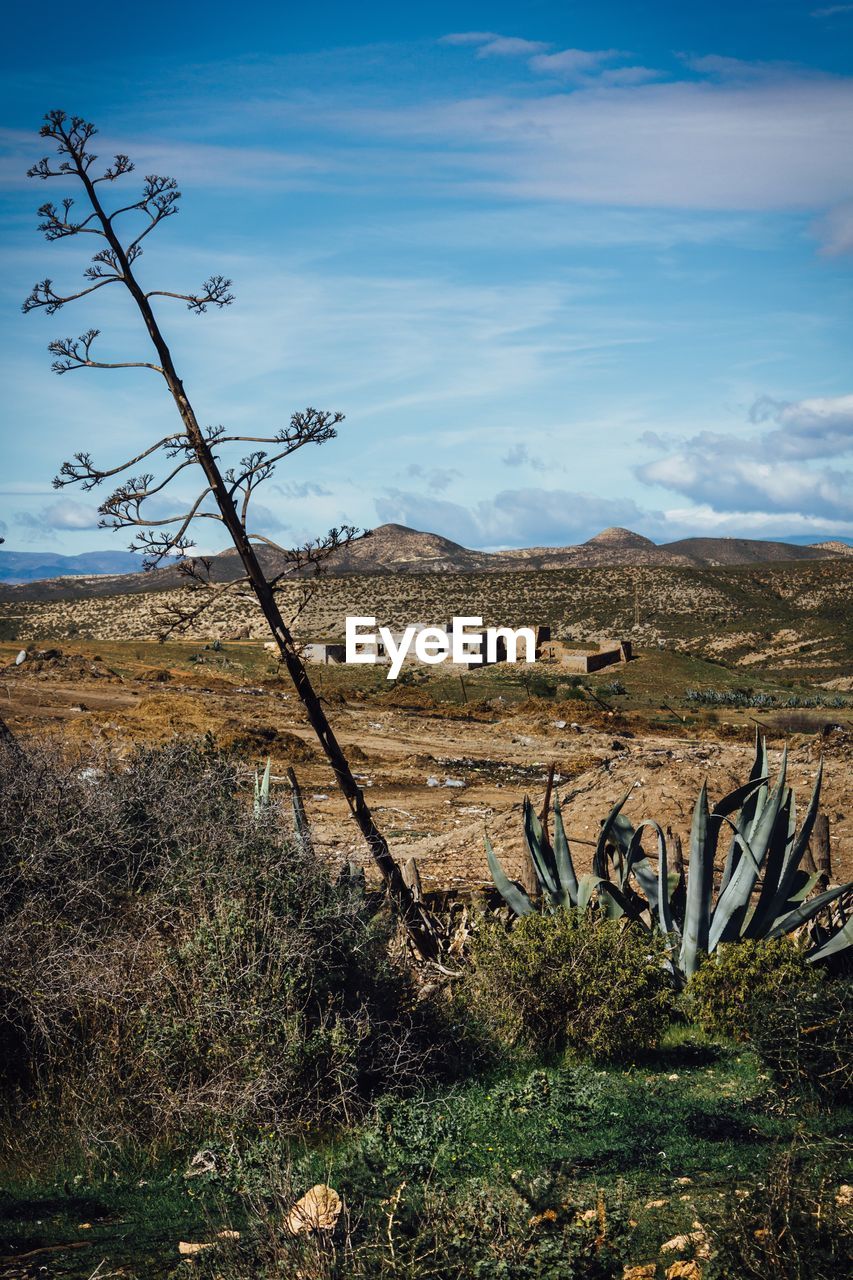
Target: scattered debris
(684,1271)
(202,1162)
(318,1210)
(189,1248)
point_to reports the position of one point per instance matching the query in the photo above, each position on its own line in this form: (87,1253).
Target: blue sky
(562,265)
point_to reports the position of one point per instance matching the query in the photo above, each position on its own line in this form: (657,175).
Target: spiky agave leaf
(774,897)
(700,881)
(614,903)
(733,902)
(262,790)
(599,861)
(587,885)
(808,910)
(638,865)
(566,876)
(656,886)
(838,942)
(541,853)
(752,802)
(512,894)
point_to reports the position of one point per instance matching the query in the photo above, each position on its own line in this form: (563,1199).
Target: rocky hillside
(395,549)
(791,617)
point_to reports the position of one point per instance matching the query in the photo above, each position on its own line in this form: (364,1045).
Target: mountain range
(392,549)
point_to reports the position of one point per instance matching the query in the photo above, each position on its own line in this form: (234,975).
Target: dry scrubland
(441,761)
(793,617)
(193,1055)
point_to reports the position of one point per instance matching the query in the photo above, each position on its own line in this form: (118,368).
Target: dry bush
(172,965)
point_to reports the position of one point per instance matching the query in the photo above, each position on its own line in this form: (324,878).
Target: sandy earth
(436,776)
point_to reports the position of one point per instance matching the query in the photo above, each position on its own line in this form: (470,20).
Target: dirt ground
(436,773)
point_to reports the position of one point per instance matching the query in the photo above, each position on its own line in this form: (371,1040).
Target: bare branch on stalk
(223,494)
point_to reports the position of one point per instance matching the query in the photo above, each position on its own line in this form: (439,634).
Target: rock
(318,1210)
(656,1204)
(690,1241)
(682,1182)
(844,1196)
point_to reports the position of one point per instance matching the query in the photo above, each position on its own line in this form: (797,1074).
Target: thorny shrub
(170,965)
(807,1040)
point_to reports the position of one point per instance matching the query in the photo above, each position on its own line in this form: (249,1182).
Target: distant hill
(32,566)
(750,550)
(394,549)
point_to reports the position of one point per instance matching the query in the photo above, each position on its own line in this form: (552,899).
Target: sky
(561,265)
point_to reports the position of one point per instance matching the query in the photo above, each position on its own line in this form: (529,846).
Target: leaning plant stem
(417,921)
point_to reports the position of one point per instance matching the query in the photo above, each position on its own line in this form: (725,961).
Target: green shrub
(721,992)
(564,980)
(807,1039)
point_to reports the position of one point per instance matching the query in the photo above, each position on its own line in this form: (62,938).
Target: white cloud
(572,63)
(767,472)
(510,47)
(514,517)
(469,37)
(821,427)
(704,521)
(64,514)
(490,44)
(303,489)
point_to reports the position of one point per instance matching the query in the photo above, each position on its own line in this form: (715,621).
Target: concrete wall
(324,653)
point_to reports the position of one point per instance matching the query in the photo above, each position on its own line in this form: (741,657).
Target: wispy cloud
(436,479)
(489,44)
(518,455)
(572,63)
(719,143)
(834,230)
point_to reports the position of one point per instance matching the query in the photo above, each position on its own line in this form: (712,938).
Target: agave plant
(262,791)
(762,891)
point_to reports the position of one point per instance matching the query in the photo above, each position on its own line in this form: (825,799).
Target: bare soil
(437,770)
